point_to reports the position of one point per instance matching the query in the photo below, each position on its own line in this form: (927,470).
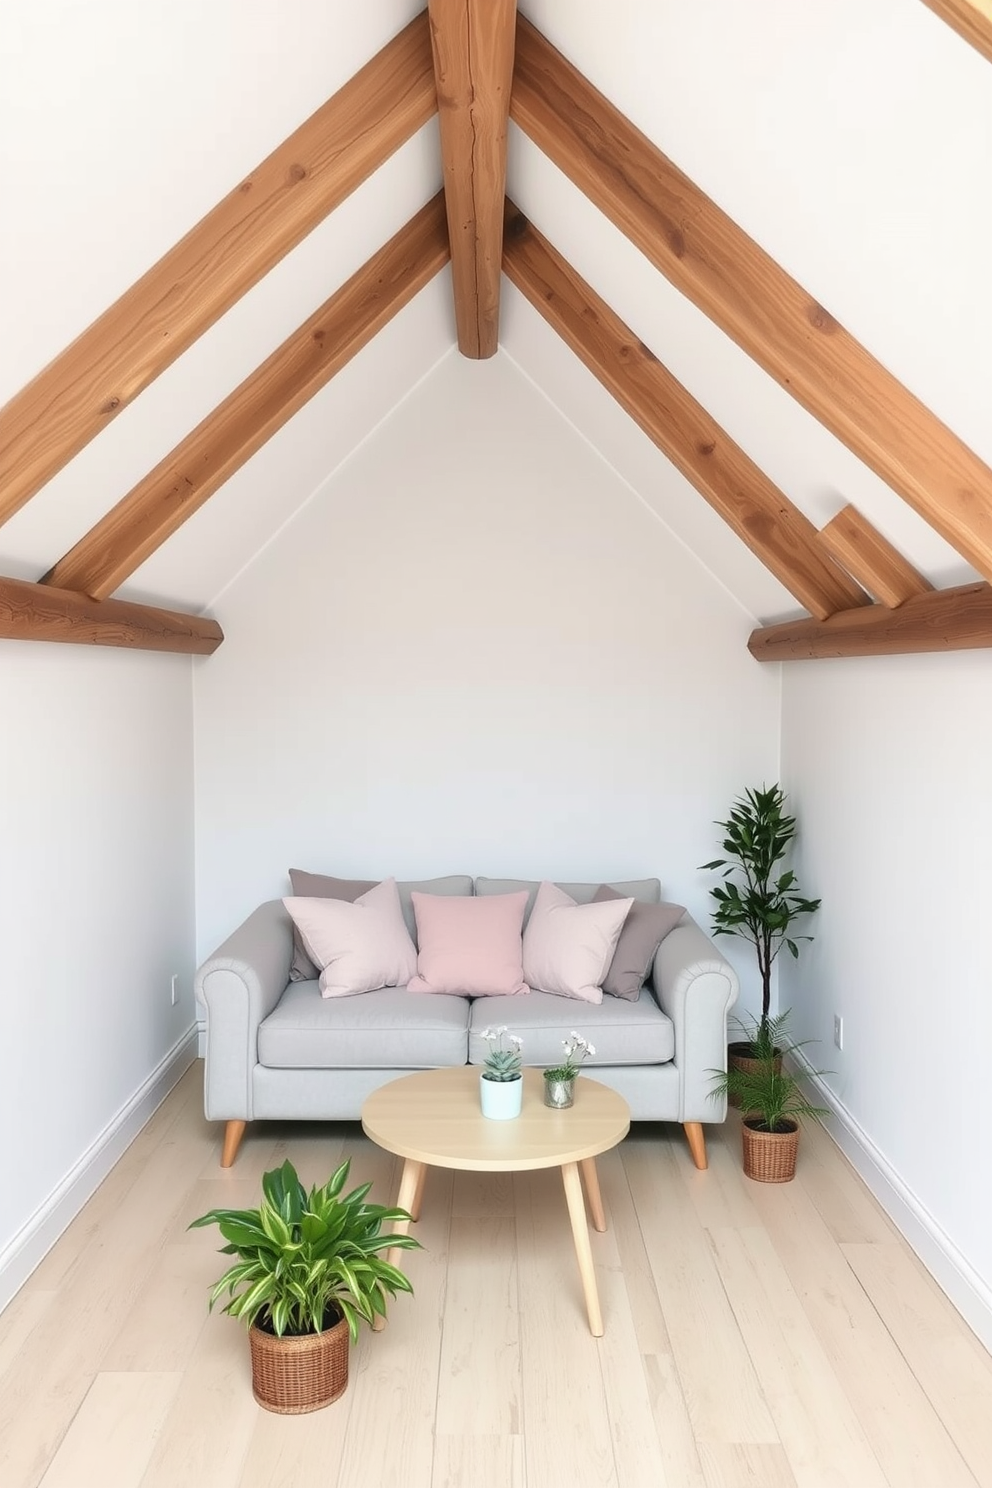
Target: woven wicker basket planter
(292,1376)
(770,1157)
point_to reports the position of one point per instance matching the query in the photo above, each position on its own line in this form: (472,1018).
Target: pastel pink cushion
(470,946)
(567,946)
(359,947)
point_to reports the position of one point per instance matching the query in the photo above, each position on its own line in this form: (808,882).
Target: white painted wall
(476,650)
(887,763)
(96,904)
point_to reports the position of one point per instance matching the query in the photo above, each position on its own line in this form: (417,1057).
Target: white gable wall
(476,650)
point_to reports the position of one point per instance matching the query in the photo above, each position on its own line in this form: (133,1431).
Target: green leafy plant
(305,1260)
(771,1099)
(576,1049)
(754,901)
(501,1064)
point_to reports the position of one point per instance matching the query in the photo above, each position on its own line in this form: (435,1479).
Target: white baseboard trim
(953,1273)
(35,1239)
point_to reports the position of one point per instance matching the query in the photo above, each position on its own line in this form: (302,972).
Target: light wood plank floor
(757,1336)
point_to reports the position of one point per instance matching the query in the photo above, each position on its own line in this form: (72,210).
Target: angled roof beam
(957,619)
(256,225)
(159,504)
(473,44)
(35,612)
(771,317)
(871,559)
(764,518)
(971,19)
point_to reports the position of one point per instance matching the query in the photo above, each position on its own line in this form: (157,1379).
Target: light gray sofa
(277,1050)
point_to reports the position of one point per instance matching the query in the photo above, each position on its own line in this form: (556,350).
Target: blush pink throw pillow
(469,945)
(359,947)
(567,946)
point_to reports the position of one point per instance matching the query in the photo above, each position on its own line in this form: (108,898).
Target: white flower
(517,1043)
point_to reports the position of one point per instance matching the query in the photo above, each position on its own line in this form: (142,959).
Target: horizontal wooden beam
(871,559)
(160,503)
(37,612)
(733,281)
(957,619)
(761,515)
(256,225)
(473,67)
(971,19)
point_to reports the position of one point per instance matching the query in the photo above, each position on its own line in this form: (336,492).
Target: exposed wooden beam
(717,266)
(757,510)
(971,19)
(871,559)
(36,612)
(957,619)
(220,445)
(105,368)
(473,44)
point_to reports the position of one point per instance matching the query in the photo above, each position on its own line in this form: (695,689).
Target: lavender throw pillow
(643,931)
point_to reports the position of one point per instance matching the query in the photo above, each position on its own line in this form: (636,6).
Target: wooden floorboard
(775,1335)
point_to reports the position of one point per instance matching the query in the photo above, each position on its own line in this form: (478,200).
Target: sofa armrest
(239,985)
(696,987)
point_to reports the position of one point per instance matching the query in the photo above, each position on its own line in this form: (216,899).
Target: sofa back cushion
(647,890)
(455,883)
(469,946)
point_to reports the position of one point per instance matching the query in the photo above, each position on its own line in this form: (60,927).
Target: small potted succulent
(501,1084)
(559,1082)
(308,1269)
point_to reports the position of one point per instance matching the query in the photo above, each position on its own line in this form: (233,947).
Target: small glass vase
(501,1100)
(557,1092)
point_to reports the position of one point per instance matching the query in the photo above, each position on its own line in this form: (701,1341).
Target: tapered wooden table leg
(583,1253)
(414,1205)
(411,1187)
(596,1211)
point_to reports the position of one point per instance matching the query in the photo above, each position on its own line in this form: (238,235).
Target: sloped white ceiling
(853,141)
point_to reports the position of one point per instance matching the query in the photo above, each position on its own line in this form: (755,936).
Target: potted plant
(773,1105)
(759,904)
(501,1084)
(559,1082)
(308,1270)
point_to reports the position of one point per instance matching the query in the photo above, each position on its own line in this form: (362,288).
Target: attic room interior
(485,440)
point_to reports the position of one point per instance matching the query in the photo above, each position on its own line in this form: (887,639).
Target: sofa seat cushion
(388,1029)
(621,1032)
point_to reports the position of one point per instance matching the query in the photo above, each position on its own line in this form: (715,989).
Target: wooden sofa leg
(233,1133)
(697,1143)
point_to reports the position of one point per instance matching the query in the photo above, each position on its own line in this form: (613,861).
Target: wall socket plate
(838,1031)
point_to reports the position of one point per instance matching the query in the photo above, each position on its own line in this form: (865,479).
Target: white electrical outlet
(838,1030)
(175,988)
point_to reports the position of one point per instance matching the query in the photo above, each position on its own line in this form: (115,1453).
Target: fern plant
(770,1098)
(305,1260)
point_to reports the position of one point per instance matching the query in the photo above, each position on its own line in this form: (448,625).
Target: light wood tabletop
(434,1119)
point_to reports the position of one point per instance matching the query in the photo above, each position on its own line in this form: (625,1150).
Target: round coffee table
(433,1119)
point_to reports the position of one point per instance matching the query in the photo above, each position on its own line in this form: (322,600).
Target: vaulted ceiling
(474,63)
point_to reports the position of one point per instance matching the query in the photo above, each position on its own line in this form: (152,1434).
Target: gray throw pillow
(643,931)
(319,886)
